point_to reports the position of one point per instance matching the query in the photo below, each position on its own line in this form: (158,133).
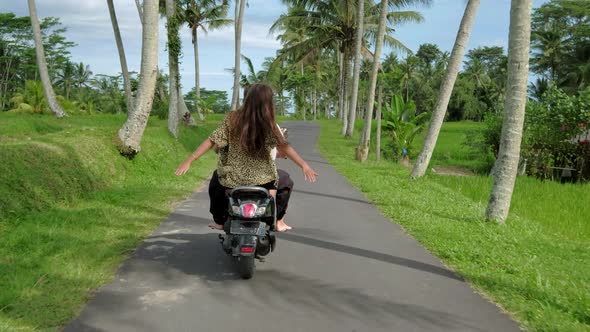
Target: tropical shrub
(402,125)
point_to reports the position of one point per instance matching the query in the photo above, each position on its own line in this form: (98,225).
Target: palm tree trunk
(314,103)
(129,136)
(340,85)
(446,89)
(139,11)
(506,165)
(281,94)
(183,112)
(173,82)
(5,79)
(240,5)
(408,90)
(42,64)
(363,149)
(304,109)
(345,89)
(197,72)
(378,116)
(357,67)
(122,58)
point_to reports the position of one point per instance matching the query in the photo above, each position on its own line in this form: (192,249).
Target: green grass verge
(536,266)
(451,149)
(71,208)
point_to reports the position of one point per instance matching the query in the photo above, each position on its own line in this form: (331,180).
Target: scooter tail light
(247,249)
(248,210)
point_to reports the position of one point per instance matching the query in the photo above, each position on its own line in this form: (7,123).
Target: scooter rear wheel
(246,266)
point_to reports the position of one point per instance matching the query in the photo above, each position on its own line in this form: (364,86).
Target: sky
(89,26)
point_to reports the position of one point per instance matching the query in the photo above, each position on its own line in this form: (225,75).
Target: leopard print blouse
(235,167)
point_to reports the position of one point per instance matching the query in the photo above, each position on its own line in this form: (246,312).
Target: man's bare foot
(282,226)
(216,227)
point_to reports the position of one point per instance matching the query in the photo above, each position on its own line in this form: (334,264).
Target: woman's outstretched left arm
(308,173)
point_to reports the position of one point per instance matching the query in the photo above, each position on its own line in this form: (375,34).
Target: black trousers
(218,199)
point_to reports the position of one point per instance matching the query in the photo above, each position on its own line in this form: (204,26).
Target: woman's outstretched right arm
(201,150)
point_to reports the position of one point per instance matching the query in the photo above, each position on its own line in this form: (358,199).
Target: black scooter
(249,228)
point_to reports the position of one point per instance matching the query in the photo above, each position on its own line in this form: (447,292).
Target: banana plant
(402,125)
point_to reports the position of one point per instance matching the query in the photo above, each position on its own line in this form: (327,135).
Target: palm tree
(378,117)
(174,47)
(357,66)
(239,20)
(537,89)
(82,76)
(42,64)
(363,149)
(122,58)
(550,47)
(275,74)
(506,165)
(446,89)
(408,67)
(207,15)
(292,34)
(389,62)
(130,134)
(65,78)
(251,77)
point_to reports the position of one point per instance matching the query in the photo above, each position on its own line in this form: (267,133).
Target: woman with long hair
(245,140)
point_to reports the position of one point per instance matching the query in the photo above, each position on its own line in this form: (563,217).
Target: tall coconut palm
(206,15)
(178,109)
(82,76)
(360,15)
(122,58)
(363,149)
(295,60)
(65,78)
(239,21)
(130,134)
(275,74)
(506,165)
(446,89)
(378,117)
(174,46)
(42,63)
(408,68)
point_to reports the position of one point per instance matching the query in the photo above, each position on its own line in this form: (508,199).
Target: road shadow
(201,253)
(386,258)
(332,196)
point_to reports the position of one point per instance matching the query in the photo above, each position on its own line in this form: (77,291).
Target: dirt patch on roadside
(452,170)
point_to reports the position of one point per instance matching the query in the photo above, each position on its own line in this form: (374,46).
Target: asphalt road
(344,267)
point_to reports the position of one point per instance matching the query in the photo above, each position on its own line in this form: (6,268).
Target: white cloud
(254,34)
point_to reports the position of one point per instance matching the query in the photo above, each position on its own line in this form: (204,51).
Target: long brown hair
(254,123)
